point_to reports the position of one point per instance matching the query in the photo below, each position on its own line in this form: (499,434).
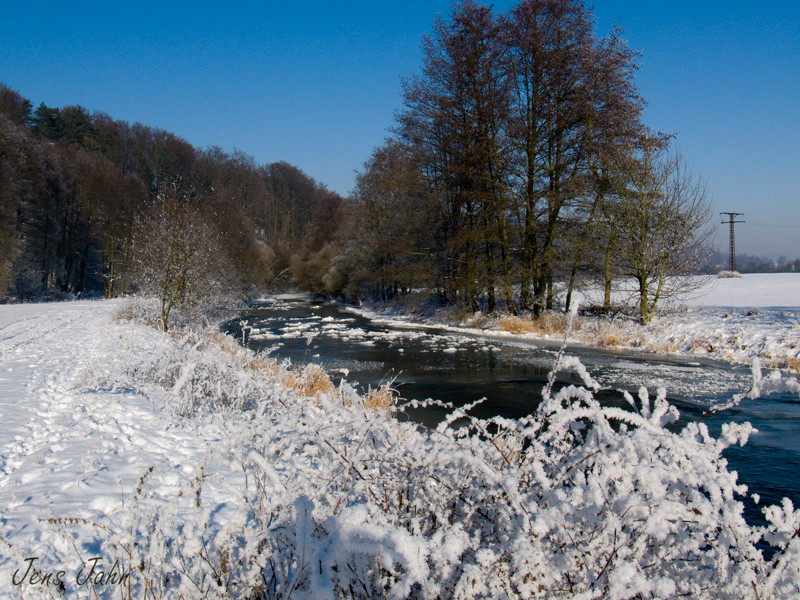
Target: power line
(731,220)
(772,225)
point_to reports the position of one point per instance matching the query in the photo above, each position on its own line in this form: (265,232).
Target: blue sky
(317,83)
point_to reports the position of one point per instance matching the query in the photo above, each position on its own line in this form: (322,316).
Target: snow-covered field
(734,319)
(138,464)
(751,290)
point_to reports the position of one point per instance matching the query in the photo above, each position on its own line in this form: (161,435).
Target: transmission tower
(731,220)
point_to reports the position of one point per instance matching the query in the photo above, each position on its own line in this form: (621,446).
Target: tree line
(749,263)
(82,197)
(518,170)
(519,167)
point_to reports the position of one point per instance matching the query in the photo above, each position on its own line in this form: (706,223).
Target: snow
(737,319)
(187,464)
(751,290)
(73,449)
(733,319)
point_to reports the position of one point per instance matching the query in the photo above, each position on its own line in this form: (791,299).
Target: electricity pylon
(731,220)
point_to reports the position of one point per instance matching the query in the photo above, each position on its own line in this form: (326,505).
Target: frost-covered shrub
(209,372)
(179,259)
(146,310)
(323,498)
(140,309)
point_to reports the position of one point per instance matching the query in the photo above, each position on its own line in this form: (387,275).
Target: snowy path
(33,370)
(70,448)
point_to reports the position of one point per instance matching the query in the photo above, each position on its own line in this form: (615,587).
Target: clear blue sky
(317,83)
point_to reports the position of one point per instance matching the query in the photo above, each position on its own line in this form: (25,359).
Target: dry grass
(779,362)
(700,345)
(516,325)
(477,321)
(610,340)
(605,334)
(309,382)
(548,323)
(252,361)
(667,347)
(381,399)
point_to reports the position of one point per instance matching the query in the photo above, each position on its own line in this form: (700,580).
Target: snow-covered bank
(737,319)
(734,319)
(75,444)
(202,470)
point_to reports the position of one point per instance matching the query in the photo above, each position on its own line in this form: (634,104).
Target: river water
(422,362)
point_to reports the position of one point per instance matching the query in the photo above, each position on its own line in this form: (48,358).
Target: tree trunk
(644,304)
(489,249)
(529,258)
(570,286)
(607,277)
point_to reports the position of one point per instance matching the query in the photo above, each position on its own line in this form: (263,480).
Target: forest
(77,190)
(518,170)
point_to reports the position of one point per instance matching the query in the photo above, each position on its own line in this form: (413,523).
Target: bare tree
(393,224)
(178,256)
(511,120)
(453,118)
(552,52)
(659,223)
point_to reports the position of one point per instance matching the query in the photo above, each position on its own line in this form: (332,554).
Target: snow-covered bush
(179,259)
(321,497)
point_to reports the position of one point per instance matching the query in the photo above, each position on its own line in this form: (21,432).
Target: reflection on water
(460,368)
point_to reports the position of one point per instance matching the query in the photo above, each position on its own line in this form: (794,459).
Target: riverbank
(731,319)
(136,462)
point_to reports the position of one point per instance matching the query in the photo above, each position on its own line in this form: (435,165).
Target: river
(423,362)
